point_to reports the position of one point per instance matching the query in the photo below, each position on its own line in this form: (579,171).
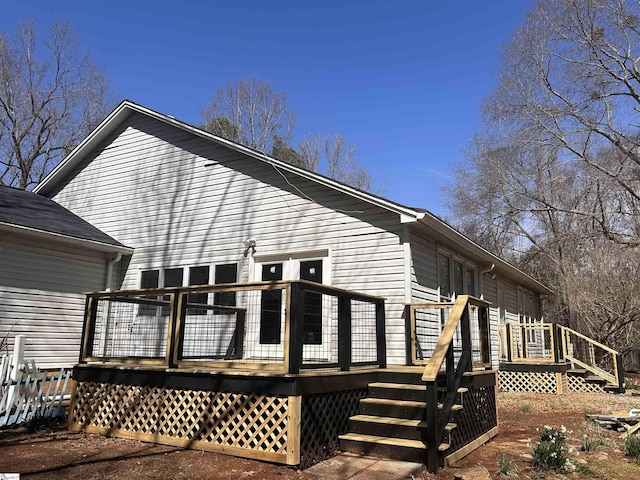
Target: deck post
(557,347)
(344,332)
(296,328)
(89,328)
(508,342)
(175,334)
(381,339)
(431,432)
(485,334)
(409,339)
(619,368)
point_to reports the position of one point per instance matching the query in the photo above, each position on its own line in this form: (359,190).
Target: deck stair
(390,421)
(591,378)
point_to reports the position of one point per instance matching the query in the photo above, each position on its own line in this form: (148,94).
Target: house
(262,305)
(48,258)
(188,202)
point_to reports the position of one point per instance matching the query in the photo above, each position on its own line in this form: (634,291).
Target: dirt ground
(61,454)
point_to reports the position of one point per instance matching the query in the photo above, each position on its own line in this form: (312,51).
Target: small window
(198,276)
(458,278)
(173,277)
(227,273)
(471,281)
(444,276)
(149,279)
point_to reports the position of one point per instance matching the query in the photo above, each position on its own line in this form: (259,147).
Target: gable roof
(406,214)
(29,212)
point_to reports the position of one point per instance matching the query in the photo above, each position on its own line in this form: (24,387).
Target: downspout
(482,274)
(109,275)
(107,281)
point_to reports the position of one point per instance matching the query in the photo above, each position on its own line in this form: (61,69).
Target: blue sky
(402,80)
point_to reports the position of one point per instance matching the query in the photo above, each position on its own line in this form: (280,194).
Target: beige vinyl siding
(41,297)
(180,200)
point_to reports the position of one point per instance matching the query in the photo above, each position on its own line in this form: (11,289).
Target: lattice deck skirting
(324,417)
(478,416)
(533,382)
(579,384)
(249,425)
(294,430)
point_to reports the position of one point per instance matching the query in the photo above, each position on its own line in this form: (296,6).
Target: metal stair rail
(453,351)
(592,356)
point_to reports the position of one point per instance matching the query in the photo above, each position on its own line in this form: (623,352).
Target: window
(471,281)
(198,276)
(444,276)
(149,279)
(227,273)
(455,277)
(271,306)
(526,312)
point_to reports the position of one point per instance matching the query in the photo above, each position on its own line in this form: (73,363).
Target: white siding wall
(41,297)
(424,268)
(179,200)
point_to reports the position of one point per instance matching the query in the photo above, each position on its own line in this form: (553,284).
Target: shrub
(38,423)
(526,408)
(551,452)
(632,447)
(507,466)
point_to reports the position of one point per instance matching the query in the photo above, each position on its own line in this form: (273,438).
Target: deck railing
(527,343)
(453,355)
(279,326)
(426,321)
(552,343)
(591,355)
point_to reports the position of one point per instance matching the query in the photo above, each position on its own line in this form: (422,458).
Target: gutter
(66,239)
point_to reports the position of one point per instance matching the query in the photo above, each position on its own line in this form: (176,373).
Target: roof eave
(66,239)
(127,107)
(481,253)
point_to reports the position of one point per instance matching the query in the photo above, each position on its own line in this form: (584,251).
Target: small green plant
(507,466)
(592,440)
(526,408)
(584,470)
(629,385)
(551,452)
(632,447)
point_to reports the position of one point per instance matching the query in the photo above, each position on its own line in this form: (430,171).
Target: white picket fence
(26,393)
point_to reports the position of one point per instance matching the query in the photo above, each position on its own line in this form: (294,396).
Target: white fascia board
(65,239)
(121,112)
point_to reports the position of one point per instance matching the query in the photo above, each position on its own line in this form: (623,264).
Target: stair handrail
(436,418)
(433,367)
(617,378)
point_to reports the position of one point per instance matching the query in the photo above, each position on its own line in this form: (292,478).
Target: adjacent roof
(30,212)
(407,214)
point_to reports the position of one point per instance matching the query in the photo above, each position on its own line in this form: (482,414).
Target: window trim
(466,265)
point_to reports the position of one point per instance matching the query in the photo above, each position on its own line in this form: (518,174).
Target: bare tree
(51,96)
(552,182)
(331,155)
(570,81)
(249,112)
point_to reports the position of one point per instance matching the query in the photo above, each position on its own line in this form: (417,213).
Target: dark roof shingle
(28,209)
